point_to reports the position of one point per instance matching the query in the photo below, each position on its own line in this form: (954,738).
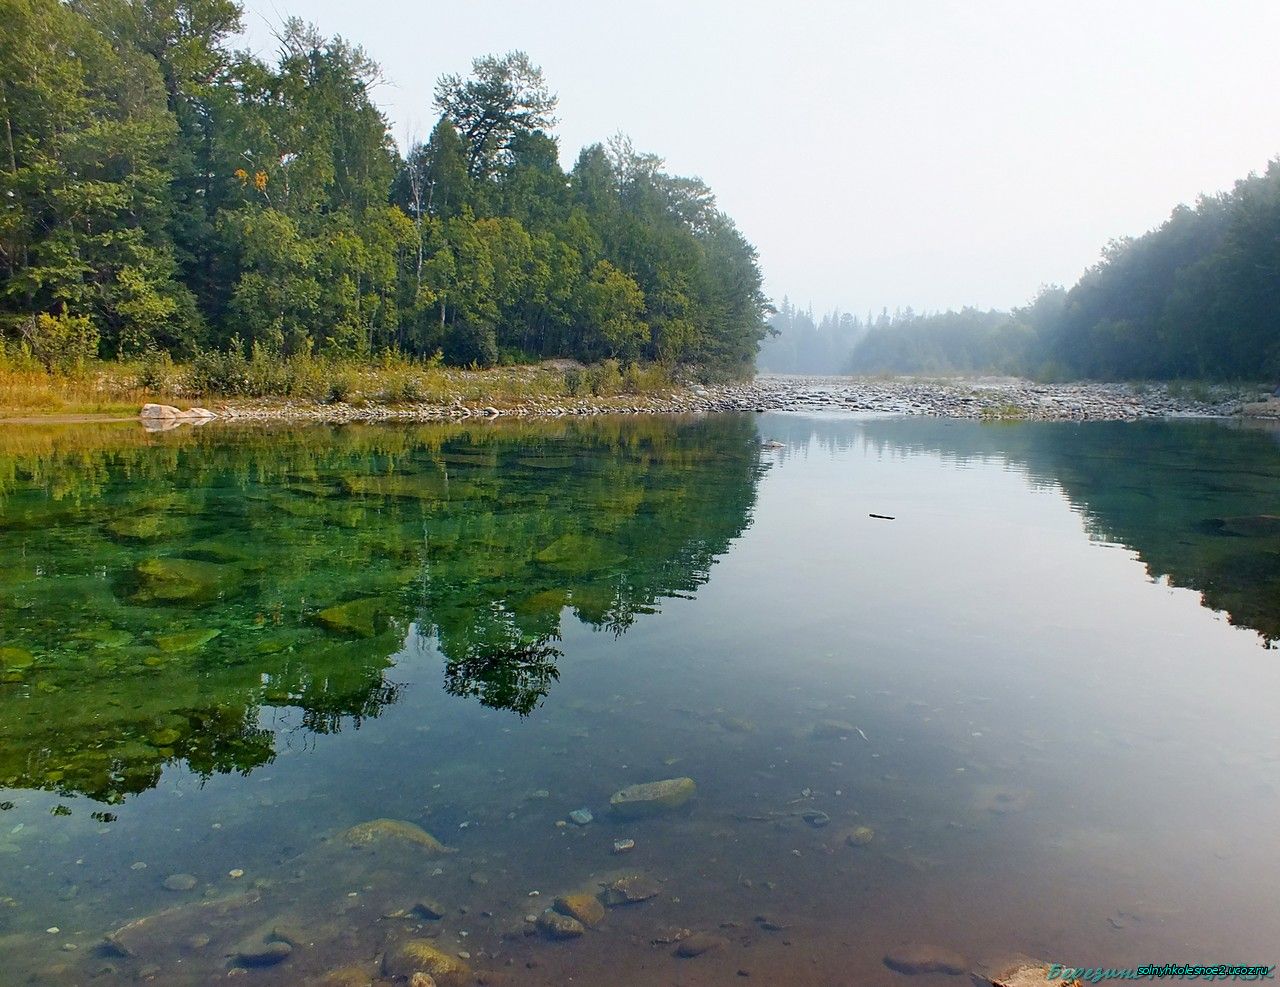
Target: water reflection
(163,590)
(1199,502)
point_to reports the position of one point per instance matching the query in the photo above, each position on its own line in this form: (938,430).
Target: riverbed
(275,703)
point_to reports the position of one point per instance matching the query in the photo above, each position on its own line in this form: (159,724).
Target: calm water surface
(1048,685)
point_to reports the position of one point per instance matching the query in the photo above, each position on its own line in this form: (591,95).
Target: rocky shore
(1003,398)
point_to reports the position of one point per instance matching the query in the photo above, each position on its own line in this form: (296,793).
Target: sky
(921,153)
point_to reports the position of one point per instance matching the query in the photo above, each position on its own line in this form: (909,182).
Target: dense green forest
(1199,297)
(163,192)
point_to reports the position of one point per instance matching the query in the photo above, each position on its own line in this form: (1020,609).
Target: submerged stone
(422,956)
(1252,525)
(583,907)
(630,890)
(347,976)
(559,926)
(581,817)
(180,882)
(265,954)
(832,730)
(376,830)
(652,798)
(181,580)
(430,910)
(16,658)
(186,640)
(105,637)
(919,958)
(699,943)
(358,618)
(860,836)
(143,528)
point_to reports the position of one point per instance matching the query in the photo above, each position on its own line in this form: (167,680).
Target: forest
(163,193)
(1196,298)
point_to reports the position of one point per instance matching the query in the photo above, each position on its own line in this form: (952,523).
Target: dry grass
(107,388)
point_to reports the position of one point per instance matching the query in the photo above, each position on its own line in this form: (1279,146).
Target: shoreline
(994,399)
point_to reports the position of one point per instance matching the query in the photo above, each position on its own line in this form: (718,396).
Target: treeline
(968,341)
(797,344)
(161,192)
(1197,298)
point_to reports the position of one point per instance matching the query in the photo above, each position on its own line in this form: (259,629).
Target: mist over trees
(1198,297)
(162,192)
(796,344)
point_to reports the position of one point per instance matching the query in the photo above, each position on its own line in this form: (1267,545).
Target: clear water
(1047,685)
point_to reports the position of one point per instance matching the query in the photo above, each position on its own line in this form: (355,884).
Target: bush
(342,385)
(61,342)
(157,372)
(224,372)
(606,378)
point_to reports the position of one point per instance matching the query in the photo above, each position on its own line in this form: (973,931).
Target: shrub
(61,342)
(224,372)
(606,378)
(157,372)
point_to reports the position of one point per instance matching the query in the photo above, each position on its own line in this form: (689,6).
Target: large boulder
(652,798)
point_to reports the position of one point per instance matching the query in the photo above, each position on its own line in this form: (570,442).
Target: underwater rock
(347,976)
(431,910)
(578,554)
(816,818)
(421,979)
(16,658)
(584,907)
(1252,525)
(832,730)
(623,846)
(699,943)
(358,618)
(180,882)
(581,817)
(181,580)
(559,926)
(630,890)
(652,798)
(185,640)
(263,954)
(143,528)
(104,637)
(920,958)
(376,830)
(1003,801)
(860,836)
(421,956)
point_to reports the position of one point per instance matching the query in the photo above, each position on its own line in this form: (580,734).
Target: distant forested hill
(163,193)
(1199,297)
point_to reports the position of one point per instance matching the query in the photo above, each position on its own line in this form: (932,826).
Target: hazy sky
(889,153)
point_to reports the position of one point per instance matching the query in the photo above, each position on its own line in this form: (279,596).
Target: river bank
(1003,398)
(552,391)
